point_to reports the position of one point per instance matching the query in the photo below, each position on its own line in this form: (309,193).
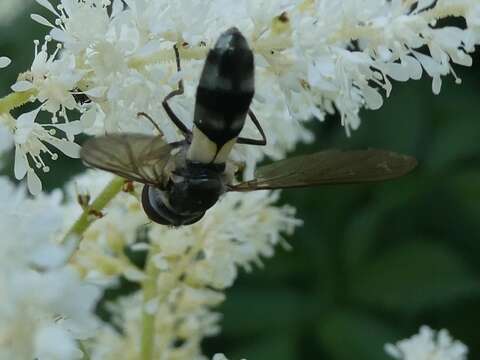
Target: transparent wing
(135,157)
(330,167)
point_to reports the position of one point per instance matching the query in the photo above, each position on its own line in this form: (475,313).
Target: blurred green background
(372,263)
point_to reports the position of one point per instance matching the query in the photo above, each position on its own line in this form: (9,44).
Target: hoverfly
(182,180)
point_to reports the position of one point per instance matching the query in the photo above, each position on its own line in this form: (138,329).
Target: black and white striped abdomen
(223,98)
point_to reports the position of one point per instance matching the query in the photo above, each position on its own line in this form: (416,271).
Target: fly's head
(191,190)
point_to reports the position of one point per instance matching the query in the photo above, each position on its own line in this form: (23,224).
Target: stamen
(458,80)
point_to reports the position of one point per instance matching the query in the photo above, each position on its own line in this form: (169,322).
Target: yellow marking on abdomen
(222,155)
(205,151)
(202,149)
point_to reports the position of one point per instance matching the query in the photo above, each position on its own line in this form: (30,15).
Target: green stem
(15,100)
(88,215)
(86,356)
(166,55)
(149,287)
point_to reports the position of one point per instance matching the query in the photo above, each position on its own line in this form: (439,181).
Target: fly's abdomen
(224,95)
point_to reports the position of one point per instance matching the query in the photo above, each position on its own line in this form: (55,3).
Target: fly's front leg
(260,142)
(148,117)
(179,91)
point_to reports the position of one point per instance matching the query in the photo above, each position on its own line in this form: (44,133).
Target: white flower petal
(22,86)
(436,85)
(4,62)
(60,35)
(373,99)
(53,342)
(117,8)
(46,4)
(41,20)
(70,149)
(140,246)
(414,66)
(219,357)
(133,274)
(71,128)
(397,71)
(88,118)
(27,120)
(96,92)
(20,167)
(33,182)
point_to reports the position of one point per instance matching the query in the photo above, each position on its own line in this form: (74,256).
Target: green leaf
(347,335)
(360,237)
(415,276)
(465,187)
(454,140)
(277,346)
(257,311)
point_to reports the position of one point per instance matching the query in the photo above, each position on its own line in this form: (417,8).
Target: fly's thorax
(195,188)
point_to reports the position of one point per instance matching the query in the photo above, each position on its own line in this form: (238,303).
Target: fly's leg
(180,125)
(260,142)
(145,115)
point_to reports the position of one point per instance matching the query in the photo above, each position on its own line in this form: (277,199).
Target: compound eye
(154,206)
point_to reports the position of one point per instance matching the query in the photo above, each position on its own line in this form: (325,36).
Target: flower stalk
(86,355)
(92,211)
(163,56)
(15,100)
(149,287)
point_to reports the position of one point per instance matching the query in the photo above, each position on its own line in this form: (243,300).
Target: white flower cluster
(52,304)
(187,268)
(113,59)
(103,62)
(428,345)
(45,307)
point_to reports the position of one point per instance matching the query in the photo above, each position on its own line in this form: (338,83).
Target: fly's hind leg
(179,91)
(260,142)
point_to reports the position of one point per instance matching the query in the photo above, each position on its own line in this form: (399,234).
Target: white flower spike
(428,345)
(103,62)
(45,306)
(312,57)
